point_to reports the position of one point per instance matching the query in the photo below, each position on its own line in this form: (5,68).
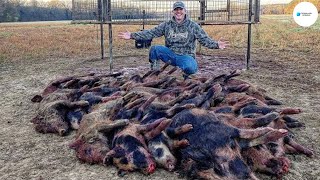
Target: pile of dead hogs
(202,127)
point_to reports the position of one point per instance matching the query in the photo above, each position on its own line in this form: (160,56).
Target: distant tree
(2,8)
(290,7)
(8,11)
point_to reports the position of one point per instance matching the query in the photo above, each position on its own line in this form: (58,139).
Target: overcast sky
(274,1)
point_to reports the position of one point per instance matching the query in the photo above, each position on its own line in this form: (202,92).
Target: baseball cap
(178,4)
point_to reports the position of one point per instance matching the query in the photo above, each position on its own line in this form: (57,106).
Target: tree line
(22,10)
(286,8)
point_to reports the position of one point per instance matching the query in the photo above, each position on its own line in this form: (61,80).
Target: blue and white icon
(305,14)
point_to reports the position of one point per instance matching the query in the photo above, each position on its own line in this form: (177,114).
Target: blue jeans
(185,62)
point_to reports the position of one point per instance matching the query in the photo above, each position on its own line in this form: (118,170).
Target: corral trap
(153,12)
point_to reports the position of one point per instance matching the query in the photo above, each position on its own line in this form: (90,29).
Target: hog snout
(285,164)
(151,168)
(75,145)
(170,165)
(279,166)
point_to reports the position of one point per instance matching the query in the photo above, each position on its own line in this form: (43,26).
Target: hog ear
(107,127)
(109,155)
(157,130)
(149,126)
(36,120)
(116,152)
(37,98)
(75,144)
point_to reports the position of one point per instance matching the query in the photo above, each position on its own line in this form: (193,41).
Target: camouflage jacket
(180,38)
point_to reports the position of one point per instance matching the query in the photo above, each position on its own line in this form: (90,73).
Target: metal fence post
(109,20)
(100,17)
(249,34)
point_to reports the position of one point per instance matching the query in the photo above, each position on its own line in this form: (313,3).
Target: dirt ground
(26,154)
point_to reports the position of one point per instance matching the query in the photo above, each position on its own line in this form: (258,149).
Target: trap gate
(137,12)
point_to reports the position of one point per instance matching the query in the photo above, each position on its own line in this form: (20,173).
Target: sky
(274,1)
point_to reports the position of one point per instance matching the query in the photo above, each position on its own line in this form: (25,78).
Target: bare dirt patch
(26,154)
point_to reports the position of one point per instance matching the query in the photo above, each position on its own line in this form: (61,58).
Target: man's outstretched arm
(144,35)
(206,41)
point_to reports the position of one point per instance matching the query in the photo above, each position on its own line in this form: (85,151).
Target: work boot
(188,76)
(154,65)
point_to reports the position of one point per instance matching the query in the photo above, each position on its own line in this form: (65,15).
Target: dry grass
(45,40)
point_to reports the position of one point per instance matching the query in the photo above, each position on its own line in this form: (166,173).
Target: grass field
(44,40)
(285,62)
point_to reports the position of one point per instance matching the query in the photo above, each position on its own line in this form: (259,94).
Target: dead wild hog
(129,149)
(92,140)
(163,146)
(214,150)
(259,158)
(52,116)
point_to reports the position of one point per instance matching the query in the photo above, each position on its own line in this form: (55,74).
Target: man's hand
(223,44)
(125,35)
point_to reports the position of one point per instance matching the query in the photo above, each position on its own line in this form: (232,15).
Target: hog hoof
(62,132)
(122,173)
(187,127)
(184,143)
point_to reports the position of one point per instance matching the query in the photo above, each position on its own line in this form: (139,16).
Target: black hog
(75,116)
(72,82)
(93,98)
(61,94)
(92,141)
(269,158)
(260,159)
(163,146)
(286,144)
(255,109)
(247,123)
(52,116)
(130,151)
(253,91)
(53,86)
(60,104)
(214,150)
(236,97)
(290,146)
(89,80)
(204,99)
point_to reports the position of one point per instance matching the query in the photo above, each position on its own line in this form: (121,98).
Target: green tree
(8,11)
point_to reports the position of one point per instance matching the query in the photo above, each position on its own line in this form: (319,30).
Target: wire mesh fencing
(155,11)
(127,12)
